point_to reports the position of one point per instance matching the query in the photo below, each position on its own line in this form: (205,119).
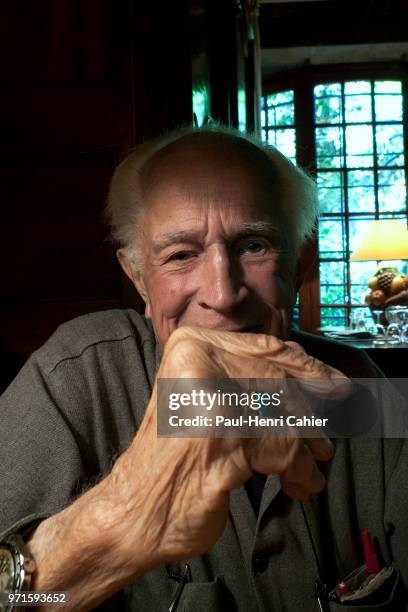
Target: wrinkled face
(213,250)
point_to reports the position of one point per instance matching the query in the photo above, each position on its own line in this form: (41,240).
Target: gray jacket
(77,404)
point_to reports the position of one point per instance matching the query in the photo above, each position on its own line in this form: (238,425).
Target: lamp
(383,240)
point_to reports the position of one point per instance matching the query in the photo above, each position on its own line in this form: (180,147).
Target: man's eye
(253,247)
(180,256)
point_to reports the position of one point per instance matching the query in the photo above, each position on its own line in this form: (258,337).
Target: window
(278,122)
(357,155)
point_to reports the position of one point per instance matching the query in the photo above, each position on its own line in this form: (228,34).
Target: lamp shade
(385,239)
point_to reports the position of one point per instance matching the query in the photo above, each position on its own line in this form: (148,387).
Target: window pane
(331,89)
(281,115)
(277,110)
(285,115)
(331,238)
(280,98)
(357,293)
(357,228)
(361,199)
(285,142)
(332,294)
(390,159)
(360,178)
(333,316)
(388,108)
(271,135)
(330,192)
(359,146)
(201,103)
(329,147)
(271,117)
(357,87)
(391,177)
(333,272)
(387,86)
(390,145)
(361,194)
(392,199)
(328,110)
(361,271)
(358,108)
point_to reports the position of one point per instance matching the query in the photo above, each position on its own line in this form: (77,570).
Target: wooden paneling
(80,86)
(64,118)
(58,247)
(64,41)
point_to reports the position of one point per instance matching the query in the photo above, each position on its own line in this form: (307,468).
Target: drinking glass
(380,336)
(398,324)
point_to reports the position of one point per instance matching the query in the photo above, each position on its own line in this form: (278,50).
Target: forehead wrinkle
(210,199)
(203,178)
(207,192)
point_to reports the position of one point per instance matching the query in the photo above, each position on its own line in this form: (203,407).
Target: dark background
(83,81)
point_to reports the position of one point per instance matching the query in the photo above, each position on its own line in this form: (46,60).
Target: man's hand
(177,488)
(167,498)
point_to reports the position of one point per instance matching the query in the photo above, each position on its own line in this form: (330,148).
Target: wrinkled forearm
(83,550)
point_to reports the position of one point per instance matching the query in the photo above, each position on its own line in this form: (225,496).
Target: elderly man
(210,226)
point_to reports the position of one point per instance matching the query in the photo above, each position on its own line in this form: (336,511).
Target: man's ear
(129,268)
(306,259)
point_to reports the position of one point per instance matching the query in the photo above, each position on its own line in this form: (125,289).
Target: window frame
(302,82)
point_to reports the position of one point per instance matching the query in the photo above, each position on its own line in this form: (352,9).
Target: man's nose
(221,284)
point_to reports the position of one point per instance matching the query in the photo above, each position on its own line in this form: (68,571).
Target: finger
(304,482)
(295,346)
(318,377)
(288,355)
(302,491)
(322,448)
(245,344)
(301,464)
(295,492)
(288,456)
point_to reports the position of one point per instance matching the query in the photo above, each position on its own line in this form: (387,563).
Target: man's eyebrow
(170,238)
(267,228)
(258,227)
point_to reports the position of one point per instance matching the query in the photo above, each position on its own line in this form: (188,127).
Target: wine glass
(380,336)
(398,327)
(392,331)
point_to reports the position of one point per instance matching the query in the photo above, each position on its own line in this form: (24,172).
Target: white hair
(296,190)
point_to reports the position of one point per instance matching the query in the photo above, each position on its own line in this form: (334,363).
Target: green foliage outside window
(360,173)
(361,177)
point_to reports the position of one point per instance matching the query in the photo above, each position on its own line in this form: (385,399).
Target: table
(392,360)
